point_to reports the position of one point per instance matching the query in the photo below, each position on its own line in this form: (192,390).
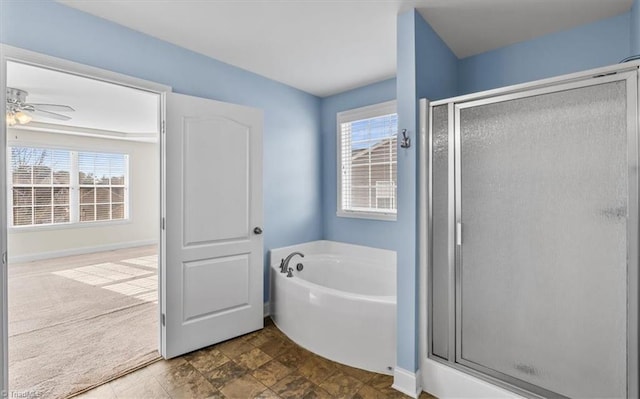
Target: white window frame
(74,191)
(75,168)
(352,115)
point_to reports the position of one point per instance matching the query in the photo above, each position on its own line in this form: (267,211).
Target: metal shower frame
(628,72)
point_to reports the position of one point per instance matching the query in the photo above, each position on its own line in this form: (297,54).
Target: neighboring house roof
(363,151)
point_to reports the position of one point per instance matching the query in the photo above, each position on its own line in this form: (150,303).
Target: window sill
(68,226)
(389,217)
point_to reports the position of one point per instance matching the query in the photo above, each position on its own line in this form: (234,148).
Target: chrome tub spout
(284,263)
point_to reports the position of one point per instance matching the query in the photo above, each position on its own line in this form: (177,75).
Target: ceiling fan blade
(51,115)
(52,107)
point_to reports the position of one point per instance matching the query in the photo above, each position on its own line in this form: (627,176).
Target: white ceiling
(98,105)
(328,46)
(471,27)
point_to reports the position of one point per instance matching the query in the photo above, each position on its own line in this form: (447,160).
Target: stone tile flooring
(262,364)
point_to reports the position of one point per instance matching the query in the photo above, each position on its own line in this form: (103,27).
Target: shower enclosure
(532,235)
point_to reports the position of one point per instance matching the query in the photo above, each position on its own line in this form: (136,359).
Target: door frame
(446,378)
(15,54)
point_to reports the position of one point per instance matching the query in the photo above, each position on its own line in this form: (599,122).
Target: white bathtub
(342,305)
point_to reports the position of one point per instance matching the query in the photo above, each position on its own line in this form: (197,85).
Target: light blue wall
(381,234)
(588,46)
(426,69)
(436,65)
(635,28)
(406,249)
(291,117)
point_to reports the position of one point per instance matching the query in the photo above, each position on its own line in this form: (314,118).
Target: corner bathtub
(342,305)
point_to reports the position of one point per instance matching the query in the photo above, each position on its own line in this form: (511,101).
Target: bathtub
(341,305)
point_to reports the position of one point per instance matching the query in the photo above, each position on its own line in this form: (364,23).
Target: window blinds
(102,186)
(41,184)
(368,153)
(51,186)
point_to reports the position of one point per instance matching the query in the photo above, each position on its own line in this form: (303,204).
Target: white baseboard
(78,251)
(446,382)
(407,382)
(267,309)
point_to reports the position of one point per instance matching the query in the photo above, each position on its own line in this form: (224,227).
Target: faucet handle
(282,266)
(290,272)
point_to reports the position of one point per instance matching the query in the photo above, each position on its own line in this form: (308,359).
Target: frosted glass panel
(543,262)
(440,245)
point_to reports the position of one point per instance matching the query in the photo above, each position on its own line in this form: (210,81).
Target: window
(41,185)
(51,186)
(102,186)
(367,162)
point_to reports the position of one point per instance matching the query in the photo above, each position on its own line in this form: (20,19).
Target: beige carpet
(69,332)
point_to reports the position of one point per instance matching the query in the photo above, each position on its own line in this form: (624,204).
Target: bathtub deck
(263,364)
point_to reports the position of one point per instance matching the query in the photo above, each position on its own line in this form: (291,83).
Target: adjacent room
(83,173)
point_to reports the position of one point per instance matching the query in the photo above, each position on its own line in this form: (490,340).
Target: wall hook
(406,141)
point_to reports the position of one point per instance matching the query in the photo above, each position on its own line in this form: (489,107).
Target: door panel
(227,179)
(213,277)
(441,311)
(212,286)
(543,264)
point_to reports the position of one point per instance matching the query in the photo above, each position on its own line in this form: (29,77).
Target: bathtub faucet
(284,263)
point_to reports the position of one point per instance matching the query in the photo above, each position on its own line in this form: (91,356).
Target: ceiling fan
(19,111)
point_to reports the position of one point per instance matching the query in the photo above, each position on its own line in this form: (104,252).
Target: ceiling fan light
(11,118)
(22,118)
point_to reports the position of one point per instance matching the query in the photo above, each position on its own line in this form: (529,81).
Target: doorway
(210,247)
(83,200)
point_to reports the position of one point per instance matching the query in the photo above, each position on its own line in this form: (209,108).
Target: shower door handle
(458,234)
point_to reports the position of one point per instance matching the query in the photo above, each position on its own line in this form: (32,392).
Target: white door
(212,277)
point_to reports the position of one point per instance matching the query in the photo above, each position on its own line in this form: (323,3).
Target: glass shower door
(546,201)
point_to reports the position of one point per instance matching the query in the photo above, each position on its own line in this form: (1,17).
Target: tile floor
(262,364)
